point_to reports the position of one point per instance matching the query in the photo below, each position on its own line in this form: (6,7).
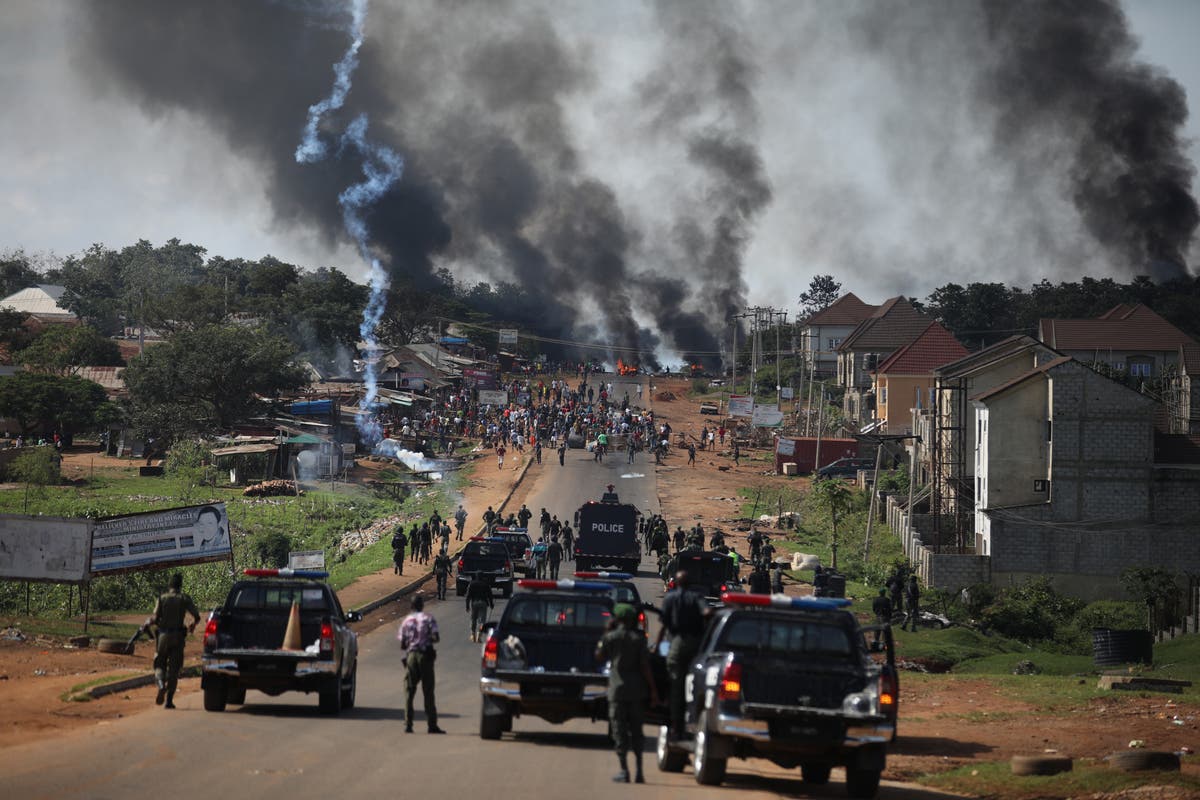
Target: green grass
(953,646)
(66,628)
(1048,663)
(994,779)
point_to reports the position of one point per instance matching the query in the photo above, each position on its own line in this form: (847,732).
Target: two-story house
(1128,339)
(904,381)
(1072,481)
(891,326)
(824,331)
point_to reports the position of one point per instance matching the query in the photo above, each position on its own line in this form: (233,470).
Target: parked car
(845,467)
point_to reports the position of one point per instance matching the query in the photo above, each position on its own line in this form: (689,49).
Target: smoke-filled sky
(643,168)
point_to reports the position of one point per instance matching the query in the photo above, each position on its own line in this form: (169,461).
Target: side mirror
(353,616)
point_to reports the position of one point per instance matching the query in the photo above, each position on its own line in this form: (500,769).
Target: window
(882,395)
(932,397)
(1139,369)
(833,344)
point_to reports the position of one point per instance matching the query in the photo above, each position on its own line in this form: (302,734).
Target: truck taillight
(887,690)
(731,682)
(508,566)
(326,637)
(210,632)
(491,650)
(460,563)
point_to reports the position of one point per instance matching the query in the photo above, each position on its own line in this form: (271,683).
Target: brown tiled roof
(933,348)
(846,310)
(1001,349)
(1004,387)
(893,325)
(1120,328)
(1189,358)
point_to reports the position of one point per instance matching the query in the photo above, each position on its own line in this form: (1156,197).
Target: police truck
(607,534)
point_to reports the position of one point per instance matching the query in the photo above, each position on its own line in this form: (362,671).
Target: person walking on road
(554,557)
(418,634)
(912,600)
(683,613)
(441,571)
(500,457)
(168,617)
(479,602)
(568,541)
(692,454)
(562,453)
(460,521)
(399,545)
(630,681)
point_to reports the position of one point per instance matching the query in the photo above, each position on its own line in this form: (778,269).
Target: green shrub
(271,549)
(1030,612)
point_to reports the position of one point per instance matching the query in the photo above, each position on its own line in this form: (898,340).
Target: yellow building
(904,380)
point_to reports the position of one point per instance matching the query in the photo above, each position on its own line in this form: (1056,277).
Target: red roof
(846,310)
(933,348)
(1123,327)
(892,325)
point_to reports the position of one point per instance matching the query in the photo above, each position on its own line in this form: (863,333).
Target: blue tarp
(312,408)
(453,340)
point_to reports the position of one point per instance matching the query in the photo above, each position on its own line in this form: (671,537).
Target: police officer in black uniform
(684,612)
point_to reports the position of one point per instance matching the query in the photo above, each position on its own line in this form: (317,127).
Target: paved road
(282,748)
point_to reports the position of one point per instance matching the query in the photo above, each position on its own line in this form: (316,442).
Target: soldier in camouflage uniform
(168,616)
(630,681)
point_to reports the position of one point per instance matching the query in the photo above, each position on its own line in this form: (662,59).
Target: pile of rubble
(272,489)
(353,541)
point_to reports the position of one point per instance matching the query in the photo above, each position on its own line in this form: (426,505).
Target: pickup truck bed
(243,645)
(550,671)
(790,681)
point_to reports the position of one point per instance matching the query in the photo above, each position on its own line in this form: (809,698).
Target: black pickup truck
(538,659)
(244,644)
(485,557)
(791,680)
(712,572)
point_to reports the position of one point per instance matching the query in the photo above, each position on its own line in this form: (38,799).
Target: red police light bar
(783,601)
(591,586)
(616,576)
(285,573)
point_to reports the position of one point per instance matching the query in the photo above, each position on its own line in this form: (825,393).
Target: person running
(460,521)
(441,570)
(479,602)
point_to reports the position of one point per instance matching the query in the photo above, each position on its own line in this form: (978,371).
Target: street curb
(413,585)
(136,682)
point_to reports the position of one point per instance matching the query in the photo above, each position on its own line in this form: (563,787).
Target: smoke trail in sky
(382,168)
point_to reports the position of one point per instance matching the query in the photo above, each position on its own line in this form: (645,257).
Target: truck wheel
(351,689)
(214,695)
(709,769)
(816,774)
(669,759)
(490,725)
(236,696)
(459,589)
(506,592)
(330,697)
(862,782)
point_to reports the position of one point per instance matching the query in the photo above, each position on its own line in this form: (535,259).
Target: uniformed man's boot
(162,689)
(170,694)
(637,761)
(623,775)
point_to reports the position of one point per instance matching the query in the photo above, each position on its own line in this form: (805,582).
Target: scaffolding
(952,493)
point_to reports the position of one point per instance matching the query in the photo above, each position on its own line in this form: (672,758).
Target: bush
(271,549)
(1031,612)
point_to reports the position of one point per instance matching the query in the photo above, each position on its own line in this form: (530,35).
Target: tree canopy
(54,402)
(63,349)
(208,378)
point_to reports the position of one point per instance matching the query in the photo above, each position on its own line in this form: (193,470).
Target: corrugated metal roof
(42,299)
(846,310)
(108,377)
(243,448)
(1134,328)
(933,348)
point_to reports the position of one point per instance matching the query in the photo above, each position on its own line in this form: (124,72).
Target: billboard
(480,378)
(741,405)
(306,559)
(786,447)
(44,548)
(508,336)
(174,537)
(787,393)
(493,397)
(766,416)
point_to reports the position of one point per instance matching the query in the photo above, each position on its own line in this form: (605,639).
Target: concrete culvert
(1138,760)
(1040,765)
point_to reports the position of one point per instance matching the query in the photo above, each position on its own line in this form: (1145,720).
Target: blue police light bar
(616,576)
(784,601)
(285,573)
